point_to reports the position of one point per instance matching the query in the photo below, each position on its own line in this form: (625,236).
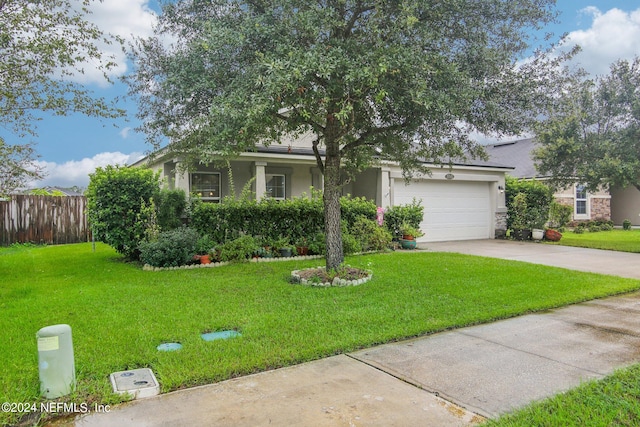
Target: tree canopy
(592,134)
(43,44)
(17,166)
(405,80)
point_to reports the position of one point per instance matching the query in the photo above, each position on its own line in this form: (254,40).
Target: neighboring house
(625,204)
(586,205)
(54,191)
(463,202)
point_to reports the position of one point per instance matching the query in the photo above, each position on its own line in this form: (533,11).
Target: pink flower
(380,215)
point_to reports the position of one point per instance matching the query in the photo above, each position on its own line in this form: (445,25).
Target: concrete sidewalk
(453,378)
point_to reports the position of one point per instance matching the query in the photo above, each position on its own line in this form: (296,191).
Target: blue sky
(71,147)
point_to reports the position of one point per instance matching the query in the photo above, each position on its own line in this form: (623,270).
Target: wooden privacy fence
(52,220)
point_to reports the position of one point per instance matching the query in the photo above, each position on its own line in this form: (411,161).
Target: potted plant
(204,247)
(409,234)
(302,246)
(538,220)
(284,247)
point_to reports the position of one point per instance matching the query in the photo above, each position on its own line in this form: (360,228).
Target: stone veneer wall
(600,208)
(501,225)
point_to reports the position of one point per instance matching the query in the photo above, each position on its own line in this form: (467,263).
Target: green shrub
(370,235)
(172,248)
(115,197)
(606,227)
(239,249)
(559,215)
(317,244)
(205,245)
(626,224)
(579,230)
(297,218)
(395,216)
(350,245)
(171,205)
(352,208)
(518,212)
(593,228)
(538,197)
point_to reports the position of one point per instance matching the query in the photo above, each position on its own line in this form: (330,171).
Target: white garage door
(453,210)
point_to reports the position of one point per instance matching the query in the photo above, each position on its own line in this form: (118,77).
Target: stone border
(291,258)
(337,282)
(148,267)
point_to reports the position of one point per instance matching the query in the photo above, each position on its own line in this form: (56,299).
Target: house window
(276,186)
(581,200)
(206,185)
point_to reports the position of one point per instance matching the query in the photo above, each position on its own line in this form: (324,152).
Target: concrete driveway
(453,378)
(621,264)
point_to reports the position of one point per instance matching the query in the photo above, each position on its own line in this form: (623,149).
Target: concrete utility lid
(220,335)
(140,383)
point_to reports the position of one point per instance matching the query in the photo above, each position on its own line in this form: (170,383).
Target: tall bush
(538,199)
(115,198)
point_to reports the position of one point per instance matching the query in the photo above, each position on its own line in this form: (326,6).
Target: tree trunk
(331,199)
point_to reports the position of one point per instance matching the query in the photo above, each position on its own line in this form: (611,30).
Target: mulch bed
(346,273)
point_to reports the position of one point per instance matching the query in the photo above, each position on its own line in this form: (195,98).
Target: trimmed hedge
(298,219)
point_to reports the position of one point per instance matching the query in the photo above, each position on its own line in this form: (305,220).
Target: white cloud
(124,18)
(124,133)
(613,35)
(76,172)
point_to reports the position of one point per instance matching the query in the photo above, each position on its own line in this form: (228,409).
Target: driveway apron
(621,264)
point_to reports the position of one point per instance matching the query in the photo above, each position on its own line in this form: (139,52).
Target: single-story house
(616,205)
(465,201)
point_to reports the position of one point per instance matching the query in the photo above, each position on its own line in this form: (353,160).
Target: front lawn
(614,240)
(120,314)
(612,401)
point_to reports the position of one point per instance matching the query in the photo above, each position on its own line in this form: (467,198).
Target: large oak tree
(406,80)
(592,134)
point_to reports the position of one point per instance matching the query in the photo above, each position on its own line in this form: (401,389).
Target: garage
(453,210)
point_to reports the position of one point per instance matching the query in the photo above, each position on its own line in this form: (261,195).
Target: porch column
(181,179)
(317,179)
(383,190)
(261,179)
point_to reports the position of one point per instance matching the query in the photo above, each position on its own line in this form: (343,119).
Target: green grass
(119,313)
(614,240)
(613,401)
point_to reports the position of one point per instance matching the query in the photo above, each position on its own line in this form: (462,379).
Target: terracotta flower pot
(553,235)
(204,259)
